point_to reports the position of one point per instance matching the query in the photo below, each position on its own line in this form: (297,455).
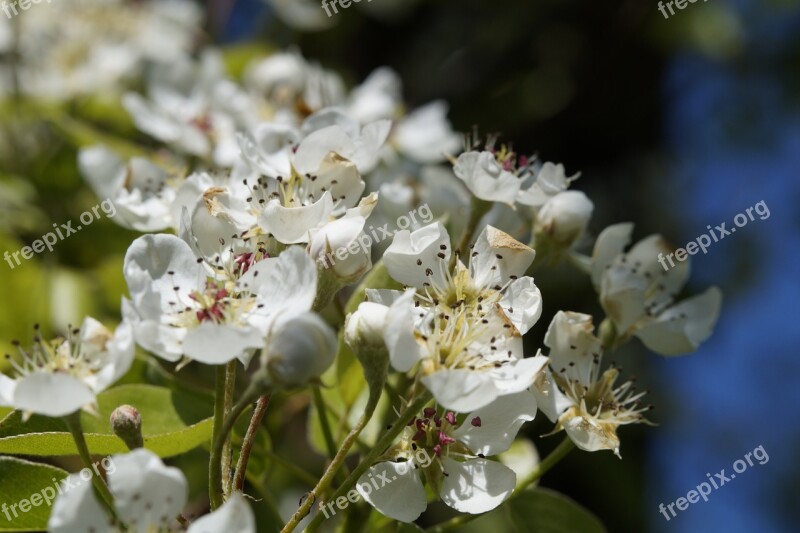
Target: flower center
(431,432)
(68,356)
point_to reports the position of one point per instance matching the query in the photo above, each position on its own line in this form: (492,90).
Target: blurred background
(674,123)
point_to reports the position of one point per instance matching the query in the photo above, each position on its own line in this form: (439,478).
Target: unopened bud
(299,351)
(366,325)
(127,425)
(343,249)
(563,219)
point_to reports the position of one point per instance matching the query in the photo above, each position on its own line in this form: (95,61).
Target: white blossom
(178,309)
(639,295)
(452,453)
(194,108)
(142,191)
(148,496)
(572,391)
(62,376)
(464,328)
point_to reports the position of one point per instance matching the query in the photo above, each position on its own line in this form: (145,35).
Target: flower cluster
(243,185)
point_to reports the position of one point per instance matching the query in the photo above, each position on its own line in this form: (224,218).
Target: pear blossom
(639,296)
(572,391)
(194,108)
(425,135)
(501,175)
(142,191)
(88,47)
(451,451)
(333,130)
(379,96)
(467,325)
(148,496)
(178,309)
(291,188)
(62,376)
(550,179)
(292,86)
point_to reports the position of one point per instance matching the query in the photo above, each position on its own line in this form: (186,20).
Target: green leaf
(172,423)
(30,481)
(538,511)
(547,511)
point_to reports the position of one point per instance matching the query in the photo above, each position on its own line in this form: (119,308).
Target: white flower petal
(400,494)
(622,296)
(476,486)
(51,394)
(77,509)
(216,344)
(235,516)
(487,180)
(404,351)
(154,266)
(341,237)
(574,349)
(413,258)
(589,436)
(497,257)
(522,304)
(379,96)
(146,492)
(551,179)
(551,401)
(7,386)
(461,390)
(286,285)
(103,169)
(291,225)
(518,375)
(425,135)
(684,327)
(341,178)
(500,422)
(268,151)
(610,243)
